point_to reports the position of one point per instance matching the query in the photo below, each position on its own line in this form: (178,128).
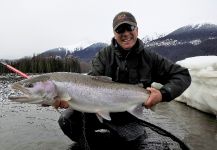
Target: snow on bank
(202,93)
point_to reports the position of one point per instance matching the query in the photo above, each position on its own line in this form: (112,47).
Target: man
(125,61)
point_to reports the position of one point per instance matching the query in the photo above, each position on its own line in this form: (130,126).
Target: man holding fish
(126,61)
(109,99)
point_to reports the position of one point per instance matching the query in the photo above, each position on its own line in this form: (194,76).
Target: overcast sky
(34,26)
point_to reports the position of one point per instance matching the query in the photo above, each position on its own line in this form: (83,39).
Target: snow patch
(171,42)
(198,62)
(195,42)
(78,46)
(201,94)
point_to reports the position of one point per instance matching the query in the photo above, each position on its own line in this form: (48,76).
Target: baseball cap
(122,18)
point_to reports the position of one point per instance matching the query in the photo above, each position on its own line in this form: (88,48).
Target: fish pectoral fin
(64,96)
(99,117)
(104,115)
(137,111)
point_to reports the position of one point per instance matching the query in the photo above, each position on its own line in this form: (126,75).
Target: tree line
(43,65)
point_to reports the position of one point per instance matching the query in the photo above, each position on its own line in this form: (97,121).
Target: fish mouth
(23,98)
(20,87)
(26,95)
(26,99)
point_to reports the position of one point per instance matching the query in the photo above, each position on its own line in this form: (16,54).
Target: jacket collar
(137,48)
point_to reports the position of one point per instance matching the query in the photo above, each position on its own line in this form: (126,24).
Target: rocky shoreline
(25,126)
(32,127)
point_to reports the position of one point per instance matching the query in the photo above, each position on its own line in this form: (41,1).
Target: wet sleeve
(175,79)
(98,64)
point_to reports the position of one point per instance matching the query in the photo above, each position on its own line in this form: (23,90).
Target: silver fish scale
(94,99)
(90,93)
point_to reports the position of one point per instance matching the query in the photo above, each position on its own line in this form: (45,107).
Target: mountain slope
(193,32)
(55,52)
(83,53)
(89,52)
(187,41)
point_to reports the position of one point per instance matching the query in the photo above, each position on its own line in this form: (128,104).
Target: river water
(31,127)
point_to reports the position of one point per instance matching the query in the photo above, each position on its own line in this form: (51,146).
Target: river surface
(31,127)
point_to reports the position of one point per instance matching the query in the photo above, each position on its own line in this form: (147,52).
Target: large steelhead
(85,93)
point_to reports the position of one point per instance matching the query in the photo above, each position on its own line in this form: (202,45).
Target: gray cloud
(33,26)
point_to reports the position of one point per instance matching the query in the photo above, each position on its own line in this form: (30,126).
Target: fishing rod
(15,70)
(22,74)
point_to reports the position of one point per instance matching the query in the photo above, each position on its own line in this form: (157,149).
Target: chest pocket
(133,68)
(127,70)
(144,72)
(139,71)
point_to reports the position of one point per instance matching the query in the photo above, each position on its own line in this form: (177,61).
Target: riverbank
(31,127)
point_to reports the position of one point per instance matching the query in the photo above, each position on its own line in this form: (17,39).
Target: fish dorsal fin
(102,78)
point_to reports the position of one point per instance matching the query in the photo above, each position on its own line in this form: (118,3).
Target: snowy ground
(202,93)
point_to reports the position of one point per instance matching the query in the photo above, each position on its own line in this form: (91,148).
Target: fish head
(36,90)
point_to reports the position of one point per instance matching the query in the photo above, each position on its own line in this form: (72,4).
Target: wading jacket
(139,65)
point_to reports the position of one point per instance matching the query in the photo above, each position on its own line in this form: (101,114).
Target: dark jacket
(141,66)
(138,66)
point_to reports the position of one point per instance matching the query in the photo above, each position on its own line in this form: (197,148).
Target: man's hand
(154,98)
(60,104)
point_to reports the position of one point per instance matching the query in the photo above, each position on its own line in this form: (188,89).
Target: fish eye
(28,85)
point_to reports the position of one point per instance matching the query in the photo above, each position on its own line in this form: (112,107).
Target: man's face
(126,36)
